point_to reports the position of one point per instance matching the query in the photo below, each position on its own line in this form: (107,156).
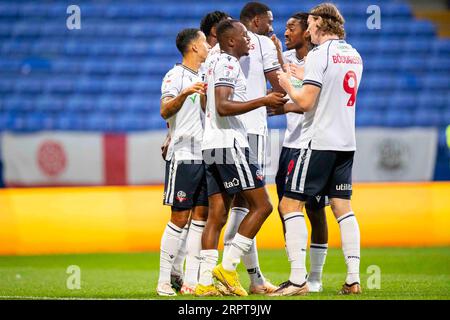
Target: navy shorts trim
(257,143)
(230,170)
(185,185)
(318,172)
(286,165)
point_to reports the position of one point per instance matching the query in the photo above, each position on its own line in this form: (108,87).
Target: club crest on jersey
(228,71)
(181,196)
(259,175)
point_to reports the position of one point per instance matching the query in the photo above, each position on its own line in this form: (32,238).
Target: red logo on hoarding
(51,158)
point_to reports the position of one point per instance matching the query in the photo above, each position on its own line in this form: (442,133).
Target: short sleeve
(171,85)
(269,54)
(315,66)
(226,73)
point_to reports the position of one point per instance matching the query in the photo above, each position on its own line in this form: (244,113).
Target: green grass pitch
(405,274)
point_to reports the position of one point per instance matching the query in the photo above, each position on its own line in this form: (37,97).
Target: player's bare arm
(165,146)
(272,77)
(286,108)
(227,107)
(297,72)
(171,105)
(279,47)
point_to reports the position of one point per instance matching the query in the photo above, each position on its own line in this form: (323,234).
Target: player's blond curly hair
(332,19)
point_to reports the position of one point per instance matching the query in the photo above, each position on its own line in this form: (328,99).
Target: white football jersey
(262,58)
(224,132)
(212,54)
(335,67)
(186,126)
(294,120)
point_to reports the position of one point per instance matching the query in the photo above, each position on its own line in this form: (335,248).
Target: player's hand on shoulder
(284,78)
(297,72)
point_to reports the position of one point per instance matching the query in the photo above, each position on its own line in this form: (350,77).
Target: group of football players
(216,104)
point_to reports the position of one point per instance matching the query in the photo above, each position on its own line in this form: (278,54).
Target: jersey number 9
(351,87)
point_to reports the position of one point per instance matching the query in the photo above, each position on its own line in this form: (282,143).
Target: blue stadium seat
(412,63)
(26,85)
(107,76)
(397,118)
(437,81)
(81,104)
(427,117)
(141,48)
(9,10)
(127,67)
(49,104)
(18,103)
(98,67)
(441,46)
(367,118)
(415,46)
(93,85)
(396,10)
(439,64)
(6,86)
(119,85)
(141,103)
(111,104)
(433,100)
(403,101)
(423,28)
(394,28)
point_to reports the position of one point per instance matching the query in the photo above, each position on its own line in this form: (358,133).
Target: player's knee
(200,213)
(317,217)
(340,206)
(180,220)
(217,220)
(285,206)
(266,208)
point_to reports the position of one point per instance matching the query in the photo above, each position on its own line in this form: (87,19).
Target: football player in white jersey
(227,157)
(298,43)
(332,74)
(259,67)
(182,97)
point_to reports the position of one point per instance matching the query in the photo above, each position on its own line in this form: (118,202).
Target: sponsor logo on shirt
(344,187)
(231,184)
(226,79)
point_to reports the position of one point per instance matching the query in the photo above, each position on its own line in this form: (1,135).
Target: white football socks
(234,221)
(296,240)
(250,258)
(193,247)
(350,239)
(317,254)
(178,264)
(208,260)
(239,246)
(170,243)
